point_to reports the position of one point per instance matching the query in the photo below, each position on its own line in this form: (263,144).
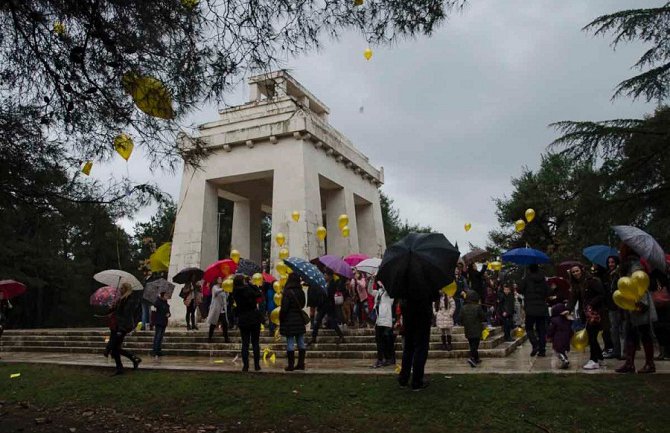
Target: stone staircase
(358,343)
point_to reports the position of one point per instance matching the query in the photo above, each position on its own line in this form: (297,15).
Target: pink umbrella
(11,288)
(354,259)
(104,296)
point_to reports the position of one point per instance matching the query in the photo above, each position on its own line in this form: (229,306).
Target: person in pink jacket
(360,285)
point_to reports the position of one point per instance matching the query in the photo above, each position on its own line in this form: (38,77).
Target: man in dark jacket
(160,323)
(507,310)
(535,290)
(326,309)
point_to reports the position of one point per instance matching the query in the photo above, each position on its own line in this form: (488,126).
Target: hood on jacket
(558,309)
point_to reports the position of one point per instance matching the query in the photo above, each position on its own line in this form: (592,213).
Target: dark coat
(560,329)
(477,281)
(124,313)
(507,303)
(535,290)
(246,298)
(472,316)
(610,286)
(162,312)
(315,296)
(290,315)
(588,291)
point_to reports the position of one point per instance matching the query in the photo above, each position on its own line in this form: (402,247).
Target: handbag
(661,298)
(339,298)
(305,317)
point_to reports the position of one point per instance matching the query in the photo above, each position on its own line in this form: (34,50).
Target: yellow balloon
(641,282)
(345,232)
(257,279)
(342,221)
(281,267)
(467,227)
(358,2)
(280,238)
(277,287)
(190,4)
(580,340)
(149,94)
(283,253)
(277,298)
(627,288)
(295,215)
(321,233)
(138,328)
(450,289)
(622,301)
(123,145)
(530,215)
(519,332)
(495,266)
(227,285)
(367,54)
(159,261)
(59,28)
(87,168)
(235,256)
(274,316)
(485,333)
(282,279)
(519,226)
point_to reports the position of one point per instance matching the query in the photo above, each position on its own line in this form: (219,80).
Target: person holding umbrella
(327,310)
(192,299)
(217,311)
(535,290)
(589,292)
(161,321)
(249,319)
(123,323)
(292,322)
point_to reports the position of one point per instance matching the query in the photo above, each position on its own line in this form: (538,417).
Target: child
(383,308)
(162,314)
(560,331)
(445,307)
(472,317)
(507,310)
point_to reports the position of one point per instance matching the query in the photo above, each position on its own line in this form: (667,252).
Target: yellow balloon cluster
(257,279)
(630,290)
(235,256)
(123,145)
(321,233)
(149,94)
(86,169)
(343,221)
(580,340)
(227,285)
(467,227)
(295,215)
(280,238)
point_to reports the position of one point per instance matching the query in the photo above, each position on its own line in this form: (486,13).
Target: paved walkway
(518,362)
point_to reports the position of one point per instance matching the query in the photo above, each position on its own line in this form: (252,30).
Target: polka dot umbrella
(309,273)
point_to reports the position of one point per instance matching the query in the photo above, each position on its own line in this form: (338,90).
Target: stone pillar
(367,236)
(338,202)
(240,238)
(255,241)
(195,240)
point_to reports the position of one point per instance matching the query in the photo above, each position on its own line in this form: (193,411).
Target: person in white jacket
(443,311)
(217,311)
(383,326)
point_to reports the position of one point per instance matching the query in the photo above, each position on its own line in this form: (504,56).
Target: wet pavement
(518,362)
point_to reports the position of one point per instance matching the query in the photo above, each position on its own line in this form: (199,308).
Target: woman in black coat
(589,292)
(248,319)
(292,323)
(123,323)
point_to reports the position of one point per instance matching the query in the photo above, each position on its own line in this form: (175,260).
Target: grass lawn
(370,404)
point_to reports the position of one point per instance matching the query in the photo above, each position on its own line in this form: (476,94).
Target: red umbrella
(268,278)
(355,259)
(11,288)
(220,268)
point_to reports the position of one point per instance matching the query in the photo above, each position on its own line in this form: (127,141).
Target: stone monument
(277,154)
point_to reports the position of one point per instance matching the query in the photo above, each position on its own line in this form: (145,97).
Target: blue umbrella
(309,273)
(598,254)
(525,256)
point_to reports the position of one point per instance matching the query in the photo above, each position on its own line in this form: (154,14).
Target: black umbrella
(247,267)
(418,266)
(188,274)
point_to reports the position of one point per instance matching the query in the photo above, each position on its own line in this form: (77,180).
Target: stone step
(315,352)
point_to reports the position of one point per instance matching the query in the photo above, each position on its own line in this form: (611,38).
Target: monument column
(338,202)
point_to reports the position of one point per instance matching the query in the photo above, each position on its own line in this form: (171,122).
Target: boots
(629,355)
(136,361)
(649,366)
(444,342)
(449,343)
(290,355)
(301,360)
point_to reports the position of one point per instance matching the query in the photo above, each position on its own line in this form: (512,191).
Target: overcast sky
(454,117)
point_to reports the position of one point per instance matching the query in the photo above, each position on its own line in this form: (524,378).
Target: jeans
(251,334)
(190,314)
(474,348)
(596,352)
(538,323)
(384,340)
(415,351)
(616,330)
(507,326)
(145,315)
(331,322)
(457,312)
(116,343)
(158,339)
(291,342)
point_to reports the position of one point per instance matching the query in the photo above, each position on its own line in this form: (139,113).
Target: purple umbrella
(104,296)
(337,265)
